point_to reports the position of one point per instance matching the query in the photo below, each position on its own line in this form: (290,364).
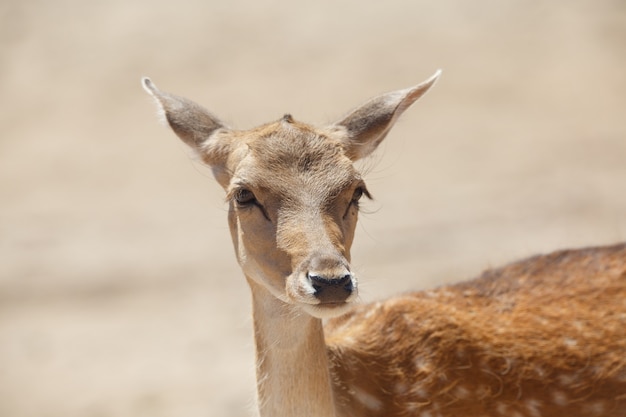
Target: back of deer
(542,337)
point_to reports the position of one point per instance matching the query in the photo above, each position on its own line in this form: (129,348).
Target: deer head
(293,192)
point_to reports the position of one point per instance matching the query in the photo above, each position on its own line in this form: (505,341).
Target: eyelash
(245,198)
(358,193)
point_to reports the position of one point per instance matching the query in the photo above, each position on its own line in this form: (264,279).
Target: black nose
(331,290)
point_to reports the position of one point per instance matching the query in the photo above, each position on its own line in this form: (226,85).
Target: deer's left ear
(367,125)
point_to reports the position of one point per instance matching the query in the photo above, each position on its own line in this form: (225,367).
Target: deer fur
(545,336)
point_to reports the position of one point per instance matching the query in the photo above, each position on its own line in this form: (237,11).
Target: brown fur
(543,336)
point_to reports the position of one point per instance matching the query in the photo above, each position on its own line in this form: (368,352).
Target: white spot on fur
(401,388)
(596,370)
(430,293)
(540,372)
(367,399)
(421,393)
(446,293)
(595,409)
(559,398)
(409,321)
(461,392)
(423,365)
(349,340)
(569,342)
(374,310)
(502,409)
(482,392)
(533,407)
(567,380)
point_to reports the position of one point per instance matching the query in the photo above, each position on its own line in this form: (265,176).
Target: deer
(543,336)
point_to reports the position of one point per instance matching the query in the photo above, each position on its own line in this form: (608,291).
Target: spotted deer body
(541,337)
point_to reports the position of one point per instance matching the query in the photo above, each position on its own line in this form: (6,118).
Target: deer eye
(359,192)
(244,197)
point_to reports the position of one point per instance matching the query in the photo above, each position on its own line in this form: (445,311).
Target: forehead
(288,156)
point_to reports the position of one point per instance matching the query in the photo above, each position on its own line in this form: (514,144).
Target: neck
(293,378)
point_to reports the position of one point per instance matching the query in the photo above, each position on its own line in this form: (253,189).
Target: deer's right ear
(196,126)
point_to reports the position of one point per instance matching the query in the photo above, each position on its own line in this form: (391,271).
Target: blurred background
(119,291)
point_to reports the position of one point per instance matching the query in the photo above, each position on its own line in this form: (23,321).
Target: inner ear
(190,121)
(197,127)
(367,125)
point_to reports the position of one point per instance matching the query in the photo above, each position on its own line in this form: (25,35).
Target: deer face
(293,193)
(293,203)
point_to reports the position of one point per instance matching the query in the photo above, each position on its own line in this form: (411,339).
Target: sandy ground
(119,292)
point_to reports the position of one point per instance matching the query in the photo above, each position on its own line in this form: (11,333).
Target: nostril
(347,283)
(318,282)
(331,289)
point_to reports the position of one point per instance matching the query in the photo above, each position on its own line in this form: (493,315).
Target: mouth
(327,310)
(332,305)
